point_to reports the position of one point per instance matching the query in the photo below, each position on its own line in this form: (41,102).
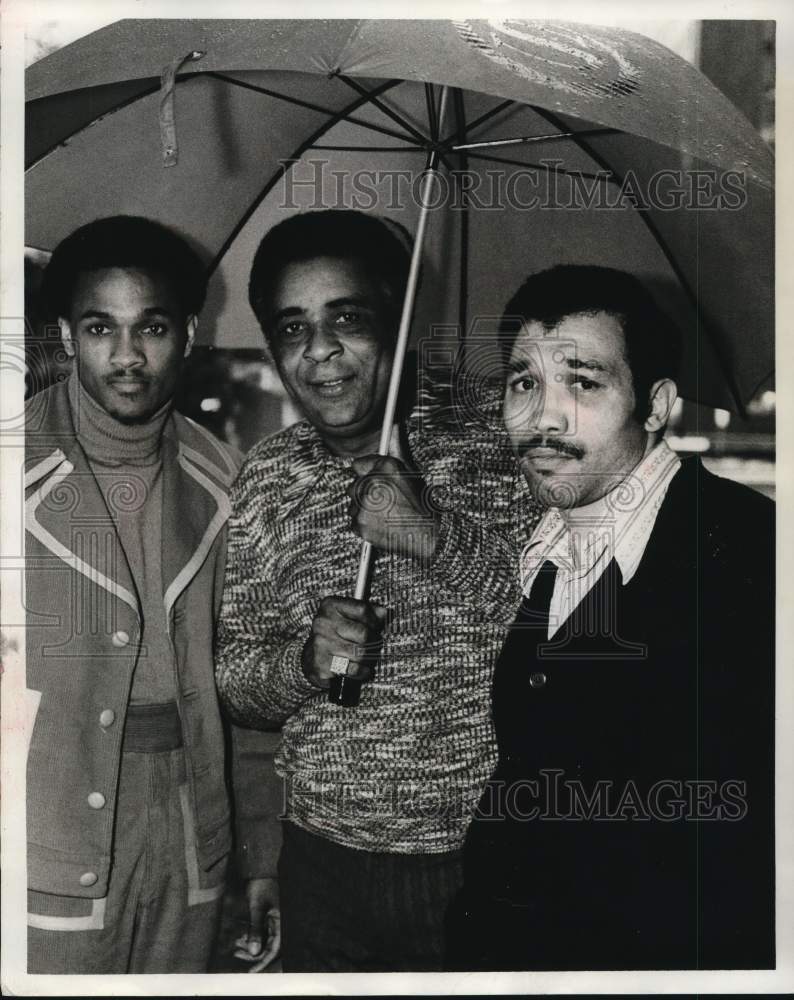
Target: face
(333,347)
(569,409)
(130,338)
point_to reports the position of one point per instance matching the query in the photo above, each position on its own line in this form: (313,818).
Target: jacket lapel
(675,540)
(195,509)
(67,514)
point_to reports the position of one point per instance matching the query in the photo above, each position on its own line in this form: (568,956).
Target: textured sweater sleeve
(481,527)
(480,563)
(257,660)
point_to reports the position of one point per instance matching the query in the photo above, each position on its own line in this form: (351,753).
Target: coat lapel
(195,509)
(67,514)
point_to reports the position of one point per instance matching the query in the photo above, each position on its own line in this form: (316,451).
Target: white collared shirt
(582,541)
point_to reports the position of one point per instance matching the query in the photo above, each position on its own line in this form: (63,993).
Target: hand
(390,510)
(261,943)
(344,627)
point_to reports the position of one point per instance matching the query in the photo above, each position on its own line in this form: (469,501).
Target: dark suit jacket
(651,730)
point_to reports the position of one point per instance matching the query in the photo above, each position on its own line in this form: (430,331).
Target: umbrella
(197,123)
(638,161)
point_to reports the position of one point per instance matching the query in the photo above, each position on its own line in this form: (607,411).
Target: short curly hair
(381,245)
(124,241)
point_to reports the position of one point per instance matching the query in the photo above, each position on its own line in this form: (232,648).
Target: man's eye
(586,384)
(290,331)
(524,383)
(98,329)
(155,329)
(348,318)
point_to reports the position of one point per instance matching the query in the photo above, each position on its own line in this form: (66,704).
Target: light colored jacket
(83,631)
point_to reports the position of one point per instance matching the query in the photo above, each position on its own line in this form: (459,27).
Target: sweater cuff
(292,685)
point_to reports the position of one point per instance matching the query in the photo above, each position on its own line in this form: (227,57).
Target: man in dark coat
(629,822)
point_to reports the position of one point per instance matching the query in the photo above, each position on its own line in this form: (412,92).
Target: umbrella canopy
(604,120)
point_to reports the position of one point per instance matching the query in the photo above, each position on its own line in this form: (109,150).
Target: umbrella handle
(345,690)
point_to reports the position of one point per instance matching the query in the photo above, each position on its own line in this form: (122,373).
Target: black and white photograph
(393,574)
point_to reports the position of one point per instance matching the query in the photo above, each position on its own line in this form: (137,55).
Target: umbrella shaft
(340,664)
(410,297)
(362,580)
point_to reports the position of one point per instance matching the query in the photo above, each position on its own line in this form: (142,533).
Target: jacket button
(537,680)
(120,638)
(96,800)
(107,717)
(88,878)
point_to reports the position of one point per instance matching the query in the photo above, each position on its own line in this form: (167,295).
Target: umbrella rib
(549,169)
(502,106)
(662,244)
(183,77)
(334,119)
(432,117)
(463,280)
(371,149)
(527,139)
(372,98)
(310,106)
(86,125)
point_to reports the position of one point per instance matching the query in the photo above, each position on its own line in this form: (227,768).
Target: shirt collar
(618,525)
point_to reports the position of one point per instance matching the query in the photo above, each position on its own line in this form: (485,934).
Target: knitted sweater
(126,460)
(402,771)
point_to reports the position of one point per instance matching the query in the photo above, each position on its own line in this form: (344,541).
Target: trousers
(344,910)
(161,912)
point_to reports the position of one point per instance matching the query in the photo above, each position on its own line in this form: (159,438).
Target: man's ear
(662,396)
(66,336)
(191,326)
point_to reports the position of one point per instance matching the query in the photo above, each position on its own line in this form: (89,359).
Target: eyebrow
(148,312)
(522,364)
(360,301)
(519,365)
(592,366)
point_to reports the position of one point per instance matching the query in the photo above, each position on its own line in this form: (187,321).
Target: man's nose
(322,345)
(128,350)
(552,415)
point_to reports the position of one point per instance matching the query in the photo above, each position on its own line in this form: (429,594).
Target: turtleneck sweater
(126,460)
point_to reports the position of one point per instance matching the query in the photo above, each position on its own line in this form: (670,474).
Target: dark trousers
(344,910)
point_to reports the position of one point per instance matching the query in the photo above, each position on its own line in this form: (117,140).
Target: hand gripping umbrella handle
(344,690)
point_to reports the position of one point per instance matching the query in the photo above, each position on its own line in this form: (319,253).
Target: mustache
(123,376)
(557,444)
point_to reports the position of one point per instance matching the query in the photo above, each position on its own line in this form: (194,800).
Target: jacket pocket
(65,913)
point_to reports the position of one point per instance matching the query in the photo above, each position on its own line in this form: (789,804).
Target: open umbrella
(565,142)
(200,123)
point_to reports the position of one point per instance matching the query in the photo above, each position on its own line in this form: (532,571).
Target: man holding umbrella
(629,823)
(378,795)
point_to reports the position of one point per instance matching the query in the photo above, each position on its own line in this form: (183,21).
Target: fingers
(270,953)
(344,627)
(349,627)
(367,465)
(375,474)
(258,905)
(346,612)
(249,947)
